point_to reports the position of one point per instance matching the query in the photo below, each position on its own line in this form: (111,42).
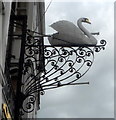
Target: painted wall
(5,25)
(1,32)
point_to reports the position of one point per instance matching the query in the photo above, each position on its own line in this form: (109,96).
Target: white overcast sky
(85,101)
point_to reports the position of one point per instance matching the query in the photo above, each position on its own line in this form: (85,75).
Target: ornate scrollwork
(28,103)
(64,65)
(100,47)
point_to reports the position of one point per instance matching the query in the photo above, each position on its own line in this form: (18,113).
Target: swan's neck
(86,32)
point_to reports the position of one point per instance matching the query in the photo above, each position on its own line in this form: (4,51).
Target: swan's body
(69,34)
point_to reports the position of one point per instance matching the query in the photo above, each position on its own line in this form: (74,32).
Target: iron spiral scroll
(63,65)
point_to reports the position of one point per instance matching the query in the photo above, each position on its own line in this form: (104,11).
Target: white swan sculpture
(70,34)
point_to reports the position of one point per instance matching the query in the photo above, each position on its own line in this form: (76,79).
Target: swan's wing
(65,39)
(57,39)
(67,27)
(68,33)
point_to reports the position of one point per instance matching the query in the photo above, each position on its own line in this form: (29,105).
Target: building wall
(0,32)
(35,21)
(5,27)
(34,12)
(5,9)
(0,59)
(1,78)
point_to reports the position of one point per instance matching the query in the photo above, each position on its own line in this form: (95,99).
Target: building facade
(15,19)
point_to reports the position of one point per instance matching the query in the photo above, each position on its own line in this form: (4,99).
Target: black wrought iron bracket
(48,67)
(43,67)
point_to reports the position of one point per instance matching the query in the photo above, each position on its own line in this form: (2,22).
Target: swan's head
(86,20)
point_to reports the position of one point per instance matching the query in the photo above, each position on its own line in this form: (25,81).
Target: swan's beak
(87,20)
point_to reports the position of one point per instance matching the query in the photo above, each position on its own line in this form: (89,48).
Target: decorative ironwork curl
(28,103)
(100,47)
